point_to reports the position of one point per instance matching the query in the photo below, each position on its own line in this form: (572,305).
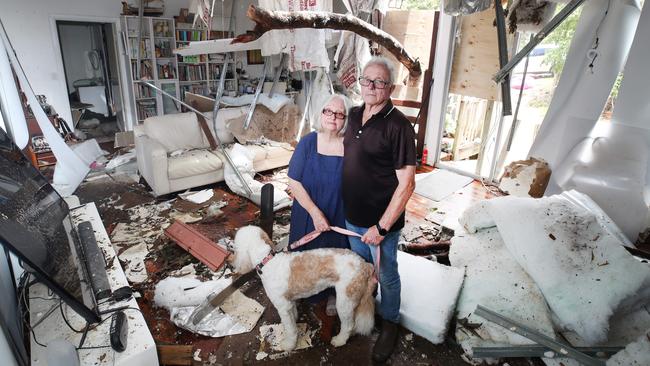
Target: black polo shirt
(372,154)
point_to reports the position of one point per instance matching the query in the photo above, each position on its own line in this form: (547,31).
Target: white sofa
(159,136)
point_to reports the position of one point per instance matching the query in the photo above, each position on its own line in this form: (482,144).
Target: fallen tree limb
(266,20)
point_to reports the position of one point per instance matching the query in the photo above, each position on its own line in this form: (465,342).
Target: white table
(140,349)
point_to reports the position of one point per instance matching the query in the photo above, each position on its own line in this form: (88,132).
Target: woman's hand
(320,221)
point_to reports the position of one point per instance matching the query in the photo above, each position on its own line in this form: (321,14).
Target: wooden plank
(174,354)
(468,128)
(460,126)
(201,103)
(407,103)
(413,29)
(202,248)
(476,58)
(487,119)
(428,84)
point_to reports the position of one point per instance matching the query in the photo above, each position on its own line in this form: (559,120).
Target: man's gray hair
(347,104)
(383,62)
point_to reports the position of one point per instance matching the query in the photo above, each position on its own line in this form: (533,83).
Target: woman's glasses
(328,112)
(379,84)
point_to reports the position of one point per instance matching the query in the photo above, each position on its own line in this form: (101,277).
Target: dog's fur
(289,276)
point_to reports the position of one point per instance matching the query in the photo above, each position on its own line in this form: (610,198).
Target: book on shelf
(164,48)
(229,85)
(215,34)
(190,35)
(146,70)
(143,91)
(215,71)
(146,109)
(191,72)
(195,89)
(194,59)
(145,48)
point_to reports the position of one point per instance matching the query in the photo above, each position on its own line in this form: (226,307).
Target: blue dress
(320,175)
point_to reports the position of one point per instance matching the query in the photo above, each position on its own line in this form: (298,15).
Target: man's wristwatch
(381,230)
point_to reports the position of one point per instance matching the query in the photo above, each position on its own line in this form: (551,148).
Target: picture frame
(254,57)
(40,145)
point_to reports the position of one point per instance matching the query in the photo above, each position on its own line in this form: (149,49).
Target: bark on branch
(266,20)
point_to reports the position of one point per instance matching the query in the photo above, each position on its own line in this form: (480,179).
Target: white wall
(32,31)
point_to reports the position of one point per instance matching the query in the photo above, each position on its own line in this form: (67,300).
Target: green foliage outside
(561,37)
(420,4)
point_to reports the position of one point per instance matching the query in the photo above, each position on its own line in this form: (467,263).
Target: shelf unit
(200,74)
(158,64)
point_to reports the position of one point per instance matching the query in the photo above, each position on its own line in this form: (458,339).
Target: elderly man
(378,180)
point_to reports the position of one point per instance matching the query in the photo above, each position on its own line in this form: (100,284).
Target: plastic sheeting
(70,169)
(243,160)
(612,164)
(10,106)
(181,295)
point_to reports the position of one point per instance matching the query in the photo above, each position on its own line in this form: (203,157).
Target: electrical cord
(66,319)
(103,320)
(24,284)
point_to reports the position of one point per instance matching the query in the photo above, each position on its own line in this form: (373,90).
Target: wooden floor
(449,209)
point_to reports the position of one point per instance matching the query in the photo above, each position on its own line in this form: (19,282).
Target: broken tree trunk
(266,20)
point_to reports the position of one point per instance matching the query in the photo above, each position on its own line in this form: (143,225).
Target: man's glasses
(328,112)
(379,84)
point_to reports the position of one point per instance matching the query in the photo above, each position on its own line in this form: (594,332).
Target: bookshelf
(157,64)
(200,74)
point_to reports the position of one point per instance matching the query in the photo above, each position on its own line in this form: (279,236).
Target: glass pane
(169,106)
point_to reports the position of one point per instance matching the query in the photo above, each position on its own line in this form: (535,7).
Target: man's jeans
(389,281)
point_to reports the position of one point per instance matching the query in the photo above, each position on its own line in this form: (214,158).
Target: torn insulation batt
(583,271)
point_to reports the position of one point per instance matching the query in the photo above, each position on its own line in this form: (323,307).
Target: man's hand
(372,236)
(320,221)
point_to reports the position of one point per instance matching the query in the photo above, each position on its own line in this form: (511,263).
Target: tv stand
(140,347)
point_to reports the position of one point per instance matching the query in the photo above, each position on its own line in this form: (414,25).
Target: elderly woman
(315,181)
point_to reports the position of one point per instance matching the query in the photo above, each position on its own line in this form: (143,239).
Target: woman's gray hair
(347,104)
(383,62)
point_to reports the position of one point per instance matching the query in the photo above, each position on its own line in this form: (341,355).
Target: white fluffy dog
(288,276)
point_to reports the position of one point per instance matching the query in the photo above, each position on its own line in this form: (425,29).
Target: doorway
(92,78)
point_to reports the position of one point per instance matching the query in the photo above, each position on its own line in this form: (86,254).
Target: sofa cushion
(193,162)
(223,116)
(176,131)
(278,150)
(259,151)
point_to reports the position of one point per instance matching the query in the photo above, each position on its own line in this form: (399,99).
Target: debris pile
(548,263)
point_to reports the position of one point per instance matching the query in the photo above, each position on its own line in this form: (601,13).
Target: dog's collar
(264,261)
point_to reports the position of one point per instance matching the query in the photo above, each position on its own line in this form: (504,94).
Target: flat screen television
(36,226)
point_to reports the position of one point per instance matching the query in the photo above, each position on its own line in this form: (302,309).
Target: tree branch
(266,20)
